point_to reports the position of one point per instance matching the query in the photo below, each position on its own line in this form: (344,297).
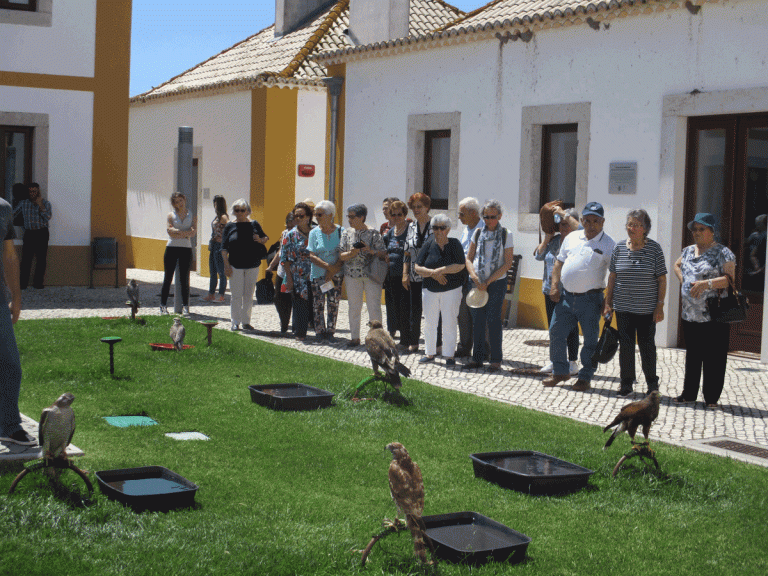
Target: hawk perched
(177,334)
(383,352)
(133,295)
(641,413)
(407,489)
(57,426)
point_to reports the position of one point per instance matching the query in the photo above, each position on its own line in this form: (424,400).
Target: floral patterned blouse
(705,267)
(294,251)
(355,267)
(413,243)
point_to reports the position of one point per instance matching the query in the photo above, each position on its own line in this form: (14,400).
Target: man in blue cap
(581,267)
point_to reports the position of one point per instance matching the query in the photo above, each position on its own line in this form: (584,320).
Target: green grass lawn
(295,493)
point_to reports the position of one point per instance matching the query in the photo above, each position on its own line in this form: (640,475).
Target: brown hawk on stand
(57,426)
(177,334)
(407,489)
(633,415)
(383,352)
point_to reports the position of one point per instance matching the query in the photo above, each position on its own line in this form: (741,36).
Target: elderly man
(469,215)
(581,267)
(36,212)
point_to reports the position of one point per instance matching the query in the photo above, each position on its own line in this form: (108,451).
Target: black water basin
(528,471)
(147,488)
(472,538)
(290,396)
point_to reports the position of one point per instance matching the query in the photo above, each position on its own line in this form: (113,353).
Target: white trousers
(436,304)
(242,285)
(355,289)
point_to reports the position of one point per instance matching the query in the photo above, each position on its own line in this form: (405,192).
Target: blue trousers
(216,268)
(489,315)
(573,310)
(10,373)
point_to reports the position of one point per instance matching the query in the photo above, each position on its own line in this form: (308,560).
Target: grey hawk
(133,295)
(57,426)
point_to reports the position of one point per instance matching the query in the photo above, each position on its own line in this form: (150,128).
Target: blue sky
(171,36)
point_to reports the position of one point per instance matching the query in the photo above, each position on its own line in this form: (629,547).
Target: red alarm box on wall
(306,170)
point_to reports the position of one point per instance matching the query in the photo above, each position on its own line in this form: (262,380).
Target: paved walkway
(742,417)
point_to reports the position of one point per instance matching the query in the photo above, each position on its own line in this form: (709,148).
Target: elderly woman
(567,221)
(181,226)
(489,257)
(326,276)
(419,231)
(215,261)
(637,283)
(360,244)
(441,264)
(294,258)
(703,269)
(242,248)
(395,294)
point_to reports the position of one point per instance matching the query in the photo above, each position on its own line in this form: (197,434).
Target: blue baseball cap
(594,208)
(704,218)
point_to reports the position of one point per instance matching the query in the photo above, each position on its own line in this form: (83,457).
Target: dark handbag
(265,290)
(728,309)
(607,345)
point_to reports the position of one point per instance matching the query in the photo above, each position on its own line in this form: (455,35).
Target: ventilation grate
(739,447)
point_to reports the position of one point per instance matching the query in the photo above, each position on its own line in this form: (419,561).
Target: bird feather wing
(41,426)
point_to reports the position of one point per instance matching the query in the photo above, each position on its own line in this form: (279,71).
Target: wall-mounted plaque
(622,178)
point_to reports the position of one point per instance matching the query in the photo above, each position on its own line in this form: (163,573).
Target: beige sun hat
(477,298)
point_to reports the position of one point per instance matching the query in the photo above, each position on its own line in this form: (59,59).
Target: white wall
(70,151)
(624,72)
(310,143)
(221,132)
(66,48)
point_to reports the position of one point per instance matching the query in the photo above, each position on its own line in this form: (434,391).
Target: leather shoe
(581,385)
(555,379)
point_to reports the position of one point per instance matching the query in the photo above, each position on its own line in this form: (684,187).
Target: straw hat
(477,298)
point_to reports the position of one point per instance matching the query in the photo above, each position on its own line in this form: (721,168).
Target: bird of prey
(383,352)
(407,489)
(177,334)
(57,426)
(133,295)
(640,413)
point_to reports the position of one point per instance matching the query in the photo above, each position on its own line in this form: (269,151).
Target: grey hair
(642,216)
(441,220)
(326,206)
(493,205)
(470,203)
(239,203)
(358,210)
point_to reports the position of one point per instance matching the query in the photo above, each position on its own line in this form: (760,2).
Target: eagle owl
(57,426)
(633,415)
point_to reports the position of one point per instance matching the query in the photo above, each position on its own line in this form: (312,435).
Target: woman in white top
(181,226)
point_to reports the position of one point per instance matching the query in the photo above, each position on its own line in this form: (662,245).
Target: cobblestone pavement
(742,416)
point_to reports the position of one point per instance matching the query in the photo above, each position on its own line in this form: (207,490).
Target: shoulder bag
(730,308)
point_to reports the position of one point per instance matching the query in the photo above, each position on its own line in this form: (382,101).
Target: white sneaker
(547,369)
(185,310)
(574,368)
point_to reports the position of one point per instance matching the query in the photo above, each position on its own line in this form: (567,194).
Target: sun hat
(477,298)
(704,218)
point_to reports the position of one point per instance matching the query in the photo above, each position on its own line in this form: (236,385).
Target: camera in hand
(359,245)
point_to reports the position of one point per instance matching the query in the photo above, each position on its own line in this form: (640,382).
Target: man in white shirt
(469,215)
(581,266)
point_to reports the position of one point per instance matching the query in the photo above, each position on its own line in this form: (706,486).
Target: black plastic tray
(147,488)
(529,471)
(472,538)
(290,396)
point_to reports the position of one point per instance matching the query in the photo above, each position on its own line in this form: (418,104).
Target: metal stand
(209,324)
(58,463)
(642,450)
(374,378)
(391,527)
(111,340)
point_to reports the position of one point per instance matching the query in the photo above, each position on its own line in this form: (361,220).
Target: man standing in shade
(37,213)
(469,215)
(10,308)
(581,266)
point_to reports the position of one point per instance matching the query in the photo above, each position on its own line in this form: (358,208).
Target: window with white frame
(28,5)
(16,166)
(433,158)
(27,12)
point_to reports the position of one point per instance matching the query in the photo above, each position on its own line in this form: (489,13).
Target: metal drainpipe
(334,85)
(183,185)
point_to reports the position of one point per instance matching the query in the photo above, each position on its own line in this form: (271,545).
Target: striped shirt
(637,272)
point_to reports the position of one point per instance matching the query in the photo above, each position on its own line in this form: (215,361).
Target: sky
(172,36)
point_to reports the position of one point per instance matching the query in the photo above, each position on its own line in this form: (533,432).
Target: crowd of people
(458,285)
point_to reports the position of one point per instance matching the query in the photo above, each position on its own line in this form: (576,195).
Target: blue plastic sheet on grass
(126,421)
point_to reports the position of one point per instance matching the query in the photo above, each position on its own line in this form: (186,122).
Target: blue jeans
(489,315)
(216,268)
(10,373)
(584,310)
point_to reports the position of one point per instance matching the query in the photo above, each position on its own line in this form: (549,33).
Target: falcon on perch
(133,295)
(633,415)
(177,334)
(57,426)
(407,489)
(383,352)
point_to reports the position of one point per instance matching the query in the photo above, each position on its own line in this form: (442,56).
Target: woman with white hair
(489,257)
(441,264)
(326,276)
(242,248)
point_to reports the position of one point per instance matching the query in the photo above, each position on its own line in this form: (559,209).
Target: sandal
(681,400)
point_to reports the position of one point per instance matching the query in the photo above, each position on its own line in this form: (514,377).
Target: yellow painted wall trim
(47,81)
(144,253)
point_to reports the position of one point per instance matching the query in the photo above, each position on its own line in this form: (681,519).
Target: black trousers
(573,336)
(706,345)
(398,303)
(34,245)
(183,256)
(642,327)
(283,304)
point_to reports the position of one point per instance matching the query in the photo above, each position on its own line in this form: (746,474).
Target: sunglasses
(299,216)
(491,217)
(439,227)
(238,210)
(396,215)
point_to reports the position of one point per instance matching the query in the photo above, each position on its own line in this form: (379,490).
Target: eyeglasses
(439,227)
(699,228)
(491,217)
(634,225)
(396,215)
(299,216)
(318,214)
(238,210)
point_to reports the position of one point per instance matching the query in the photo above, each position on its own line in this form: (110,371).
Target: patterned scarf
(484,236)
